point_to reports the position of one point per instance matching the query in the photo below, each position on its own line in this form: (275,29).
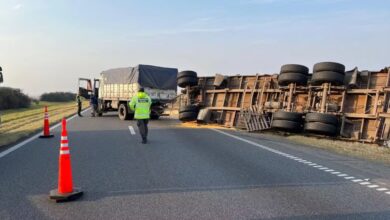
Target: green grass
(20,123)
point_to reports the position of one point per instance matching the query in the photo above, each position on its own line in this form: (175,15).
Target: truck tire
(187,78)
(329,66)
(187,73)
(187,81)
(188,116)
(289,116)
(320,128)
(319,78)
(286,125)
(323,118)
(123,112)
(294,68)
(189,108)
(284,79)
(154,116)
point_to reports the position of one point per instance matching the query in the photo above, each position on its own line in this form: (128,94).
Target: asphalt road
(189,173)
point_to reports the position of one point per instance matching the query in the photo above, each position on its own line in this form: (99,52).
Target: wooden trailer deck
(362,103)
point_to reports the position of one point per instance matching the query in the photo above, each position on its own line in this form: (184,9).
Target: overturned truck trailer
(350,105)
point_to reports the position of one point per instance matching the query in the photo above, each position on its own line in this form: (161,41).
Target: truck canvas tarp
(145,75)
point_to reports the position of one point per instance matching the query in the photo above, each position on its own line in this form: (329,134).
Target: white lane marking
(21,144)
(325,169)
(132,132)
(382,189)
(365,183)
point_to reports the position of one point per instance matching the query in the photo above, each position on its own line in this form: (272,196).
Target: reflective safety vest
(141,105)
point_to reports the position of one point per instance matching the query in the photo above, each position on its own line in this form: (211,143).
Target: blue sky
(47,45)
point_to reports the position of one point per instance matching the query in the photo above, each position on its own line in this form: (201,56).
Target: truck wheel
(284,79)
(188,116)
(154,116)
(189,108)
(291,126)
(320,128)
(329,66)
(123,112)
(187,78)
(289,116)
(187,73)
(187,81)
(294,68)
(323,118)
(327,77)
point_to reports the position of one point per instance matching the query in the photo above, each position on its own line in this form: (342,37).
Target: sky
(46,45)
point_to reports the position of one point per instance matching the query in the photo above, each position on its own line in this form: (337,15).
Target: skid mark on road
(361,182)
(132,131)
(21,144)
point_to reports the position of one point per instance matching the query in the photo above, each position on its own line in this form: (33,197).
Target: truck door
(85,88)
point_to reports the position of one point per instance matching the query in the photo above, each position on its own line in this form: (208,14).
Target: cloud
(17,6)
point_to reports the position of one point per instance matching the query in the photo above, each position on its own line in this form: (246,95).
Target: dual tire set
(317,123)
(186,80)
(325,72)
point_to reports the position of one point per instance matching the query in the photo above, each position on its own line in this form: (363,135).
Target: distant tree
(11,98)
(58,97)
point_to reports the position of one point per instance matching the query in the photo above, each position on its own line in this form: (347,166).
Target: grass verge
(18,124)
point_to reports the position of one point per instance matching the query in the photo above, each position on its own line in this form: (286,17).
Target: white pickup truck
(115,88)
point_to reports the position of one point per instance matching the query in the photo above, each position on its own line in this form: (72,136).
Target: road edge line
(324,169)
(21,144)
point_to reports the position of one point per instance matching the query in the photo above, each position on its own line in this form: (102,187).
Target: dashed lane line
(312,164)
(132,132)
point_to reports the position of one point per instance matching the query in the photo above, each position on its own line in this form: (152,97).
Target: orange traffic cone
(65,191)
(46,128)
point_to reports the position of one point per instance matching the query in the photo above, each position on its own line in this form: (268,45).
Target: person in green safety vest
(141,104)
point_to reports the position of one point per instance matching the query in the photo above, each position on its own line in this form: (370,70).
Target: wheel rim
(121,112)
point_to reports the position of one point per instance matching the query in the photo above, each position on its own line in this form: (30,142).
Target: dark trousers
(79,108)
(143,127)
(94,110)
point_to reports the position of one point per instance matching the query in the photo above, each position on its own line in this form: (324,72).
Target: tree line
(11,98)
